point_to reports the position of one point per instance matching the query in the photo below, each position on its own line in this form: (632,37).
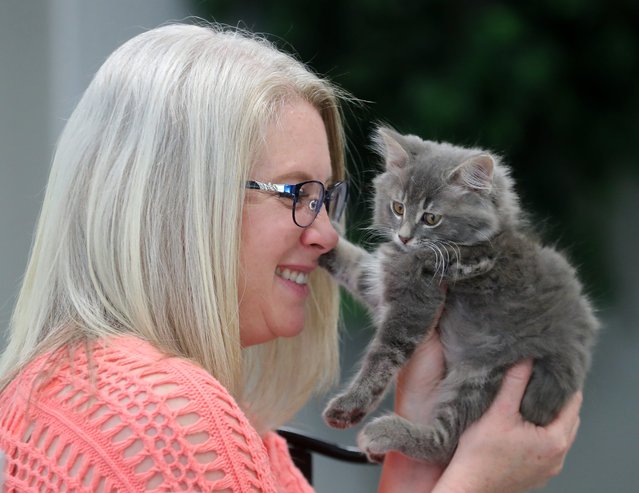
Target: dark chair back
(302,446)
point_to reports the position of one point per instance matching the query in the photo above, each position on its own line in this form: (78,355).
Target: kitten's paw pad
(343,412)
(378,438)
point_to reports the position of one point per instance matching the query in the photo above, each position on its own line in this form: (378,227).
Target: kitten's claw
(375,458)
(343,412)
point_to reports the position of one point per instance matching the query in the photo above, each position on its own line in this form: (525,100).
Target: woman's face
(273,248)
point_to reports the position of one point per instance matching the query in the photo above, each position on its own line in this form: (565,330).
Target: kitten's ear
(387,144)
(475,173)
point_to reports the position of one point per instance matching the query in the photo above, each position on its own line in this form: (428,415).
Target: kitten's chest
(484,318)
(465,335)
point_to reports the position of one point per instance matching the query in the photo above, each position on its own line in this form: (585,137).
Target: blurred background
(550,85)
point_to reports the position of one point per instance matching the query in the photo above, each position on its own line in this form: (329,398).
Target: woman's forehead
(296,146)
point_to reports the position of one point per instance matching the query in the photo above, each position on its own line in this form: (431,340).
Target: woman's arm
(414,400)
(500,452)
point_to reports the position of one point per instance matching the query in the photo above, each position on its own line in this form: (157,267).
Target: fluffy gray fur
(457,236)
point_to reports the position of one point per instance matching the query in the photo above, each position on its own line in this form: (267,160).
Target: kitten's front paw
(379,437)
(344,411)
(327,260)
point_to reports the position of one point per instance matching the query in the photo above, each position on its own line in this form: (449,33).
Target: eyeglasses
(307,198)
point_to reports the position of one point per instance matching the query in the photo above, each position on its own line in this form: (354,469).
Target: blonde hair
(140,226)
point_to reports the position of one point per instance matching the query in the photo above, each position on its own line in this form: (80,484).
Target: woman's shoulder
(125,358)
(158,420)
(137,372)
(123,369)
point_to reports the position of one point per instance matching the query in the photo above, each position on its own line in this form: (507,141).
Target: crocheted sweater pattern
(128,418)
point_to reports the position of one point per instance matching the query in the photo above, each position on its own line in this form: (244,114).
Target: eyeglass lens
(311,196)
(337,200)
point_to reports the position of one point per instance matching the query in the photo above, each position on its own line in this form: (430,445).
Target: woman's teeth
(292,275)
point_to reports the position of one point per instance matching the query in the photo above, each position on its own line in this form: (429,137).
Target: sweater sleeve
(135,420)
(288,477)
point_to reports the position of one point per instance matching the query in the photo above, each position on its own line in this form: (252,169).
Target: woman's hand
(502,452)
(499,453)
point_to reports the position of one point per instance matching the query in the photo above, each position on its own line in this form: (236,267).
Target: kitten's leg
(353,267)
(402,329)
(548,390)
(464,396)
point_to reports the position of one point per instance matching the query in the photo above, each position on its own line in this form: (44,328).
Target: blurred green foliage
(551,85)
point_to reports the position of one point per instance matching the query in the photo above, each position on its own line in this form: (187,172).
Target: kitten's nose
(404,239)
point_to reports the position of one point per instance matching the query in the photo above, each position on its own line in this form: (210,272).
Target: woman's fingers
(561,433)
(567,421)
(512,390)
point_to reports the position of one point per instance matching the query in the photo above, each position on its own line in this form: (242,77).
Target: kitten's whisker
(444,262)
(377,232)
(440,265)
(453,249)
(430,245)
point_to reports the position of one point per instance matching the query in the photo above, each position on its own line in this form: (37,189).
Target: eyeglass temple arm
(269,187)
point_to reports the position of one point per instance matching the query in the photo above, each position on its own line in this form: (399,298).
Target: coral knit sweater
(130,419)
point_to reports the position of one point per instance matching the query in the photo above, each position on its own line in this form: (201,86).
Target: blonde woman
(172,313)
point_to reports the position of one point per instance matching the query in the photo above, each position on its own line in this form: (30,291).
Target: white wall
(49,50)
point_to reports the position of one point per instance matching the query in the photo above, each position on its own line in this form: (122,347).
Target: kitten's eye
(397,207)
(431,219)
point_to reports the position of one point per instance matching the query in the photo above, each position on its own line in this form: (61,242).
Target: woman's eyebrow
(292,177)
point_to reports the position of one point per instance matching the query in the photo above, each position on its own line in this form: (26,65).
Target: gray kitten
(457,236)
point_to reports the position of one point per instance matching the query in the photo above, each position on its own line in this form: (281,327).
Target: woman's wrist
(416,389)
(401,474)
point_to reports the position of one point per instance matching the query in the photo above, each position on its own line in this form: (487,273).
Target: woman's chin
(290,330)
(285,331)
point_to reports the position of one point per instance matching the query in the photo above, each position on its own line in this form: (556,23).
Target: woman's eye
(284,195)
(397,207)
(431,219)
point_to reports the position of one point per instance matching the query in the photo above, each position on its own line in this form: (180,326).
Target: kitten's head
(433,191)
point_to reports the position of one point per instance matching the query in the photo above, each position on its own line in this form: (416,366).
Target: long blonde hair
(140,226)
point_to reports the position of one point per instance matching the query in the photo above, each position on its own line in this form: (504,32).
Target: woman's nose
(321,234)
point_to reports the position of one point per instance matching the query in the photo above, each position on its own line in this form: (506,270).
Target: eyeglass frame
(292,191)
